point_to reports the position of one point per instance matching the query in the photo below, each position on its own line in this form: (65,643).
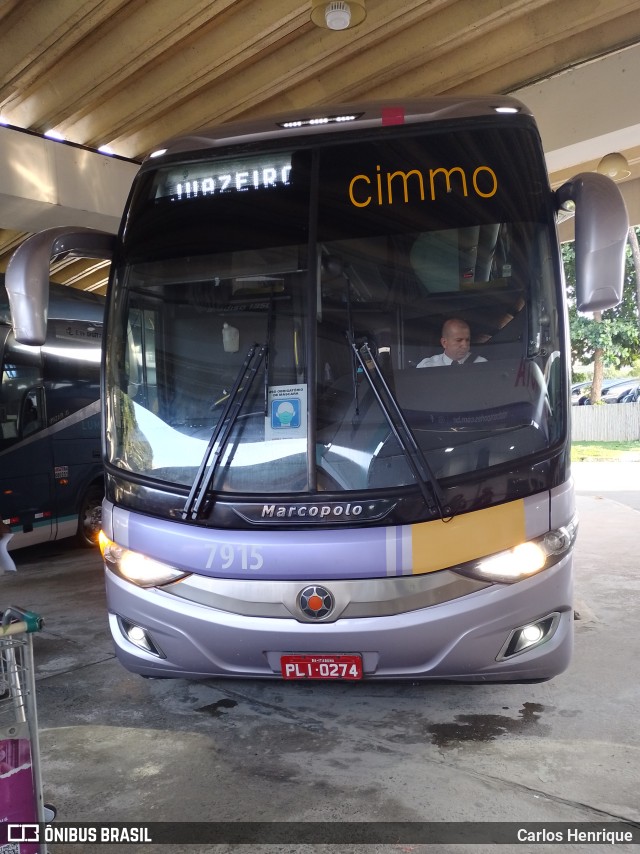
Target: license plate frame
(326,667)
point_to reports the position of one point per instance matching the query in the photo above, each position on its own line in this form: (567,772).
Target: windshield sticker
(287,412)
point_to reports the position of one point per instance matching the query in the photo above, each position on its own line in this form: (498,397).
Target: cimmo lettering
(389,188)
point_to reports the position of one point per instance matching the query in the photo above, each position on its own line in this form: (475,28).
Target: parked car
(581,392)
(578,390)
(632,396)
(619,390)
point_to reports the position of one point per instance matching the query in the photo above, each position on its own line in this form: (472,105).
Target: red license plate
(321,666)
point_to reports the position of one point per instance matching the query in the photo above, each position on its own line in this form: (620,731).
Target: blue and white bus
(287,494)
(51,475)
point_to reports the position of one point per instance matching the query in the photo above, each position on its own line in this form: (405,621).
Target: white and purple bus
(287,493)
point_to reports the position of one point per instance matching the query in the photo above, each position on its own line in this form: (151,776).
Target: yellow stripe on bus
(437,545)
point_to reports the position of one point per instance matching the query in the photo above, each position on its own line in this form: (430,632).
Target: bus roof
(337,118)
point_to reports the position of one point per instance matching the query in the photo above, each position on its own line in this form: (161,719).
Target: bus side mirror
(27,276)
(601,229)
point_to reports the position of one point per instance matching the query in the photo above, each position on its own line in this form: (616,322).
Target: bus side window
(21,378)
(8,426)
(141,358)
(31,413)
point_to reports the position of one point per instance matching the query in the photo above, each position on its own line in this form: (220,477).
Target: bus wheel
(90,517)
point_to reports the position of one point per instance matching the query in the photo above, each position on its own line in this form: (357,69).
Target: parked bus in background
(51,475)
(287,494)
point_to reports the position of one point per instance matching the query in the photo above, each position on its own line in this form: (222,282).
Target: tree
(608,339)
(635,255)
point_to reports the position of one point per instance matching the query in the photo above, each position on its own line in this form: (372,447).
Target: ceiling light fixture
(614,165)
(337,14)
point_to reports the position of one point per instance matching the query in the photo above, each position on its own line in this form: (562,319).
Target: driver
(456,344)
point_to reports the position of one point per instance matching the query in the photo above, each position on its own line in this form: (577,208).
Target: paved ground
(118,747)
(619,481)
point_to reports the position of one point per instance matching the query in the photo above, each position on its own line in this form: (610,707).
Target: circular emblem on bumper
(316,602)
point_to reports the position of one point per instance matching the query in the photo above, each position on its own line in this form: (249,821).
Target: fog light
(525,638)
(139,637)
(136,634)
(531,634)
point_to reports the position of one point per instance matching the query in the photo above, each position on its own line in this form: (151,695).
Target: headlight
(525,559)
(135,567)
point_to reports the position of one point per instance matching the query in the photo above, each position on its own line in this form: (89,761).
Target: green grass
(605,451)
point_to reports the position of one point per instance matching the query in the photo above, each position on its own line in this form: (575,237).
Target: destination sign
(197,180)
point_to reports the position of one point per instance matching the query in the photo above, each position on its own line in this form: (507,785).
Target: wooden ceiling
(130,73)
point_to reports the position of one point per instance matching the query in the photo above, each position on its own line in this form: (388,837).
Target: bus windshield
(312,255)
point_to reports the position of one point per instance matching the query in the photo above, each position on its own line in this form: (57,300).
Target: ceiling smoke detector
(337,14)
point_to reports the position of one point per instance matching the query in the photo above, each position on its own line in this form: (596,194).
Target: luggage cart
(20,774)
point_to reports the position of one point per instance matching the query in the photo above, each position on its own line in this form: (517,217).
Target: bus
(288,495)
(51,476)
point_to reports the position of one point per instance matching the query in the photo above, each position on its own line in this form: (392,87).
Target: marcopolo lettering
(389,188)
(310,511)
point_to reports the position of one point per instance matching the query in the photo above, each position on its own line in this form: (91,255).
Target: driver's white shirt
(442,360)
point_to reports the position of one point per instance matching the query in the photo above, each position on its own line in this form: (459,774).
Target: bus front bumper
(464,639)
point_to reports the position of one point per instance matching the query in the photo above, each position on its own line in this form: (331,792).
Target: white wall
(45,183)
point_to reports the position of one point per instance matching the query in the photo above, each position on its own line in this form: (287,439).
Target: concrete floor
(116,747)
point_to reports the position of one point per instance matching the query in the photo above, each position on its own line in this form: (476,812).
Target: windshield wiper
(420,468)
(222,431)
